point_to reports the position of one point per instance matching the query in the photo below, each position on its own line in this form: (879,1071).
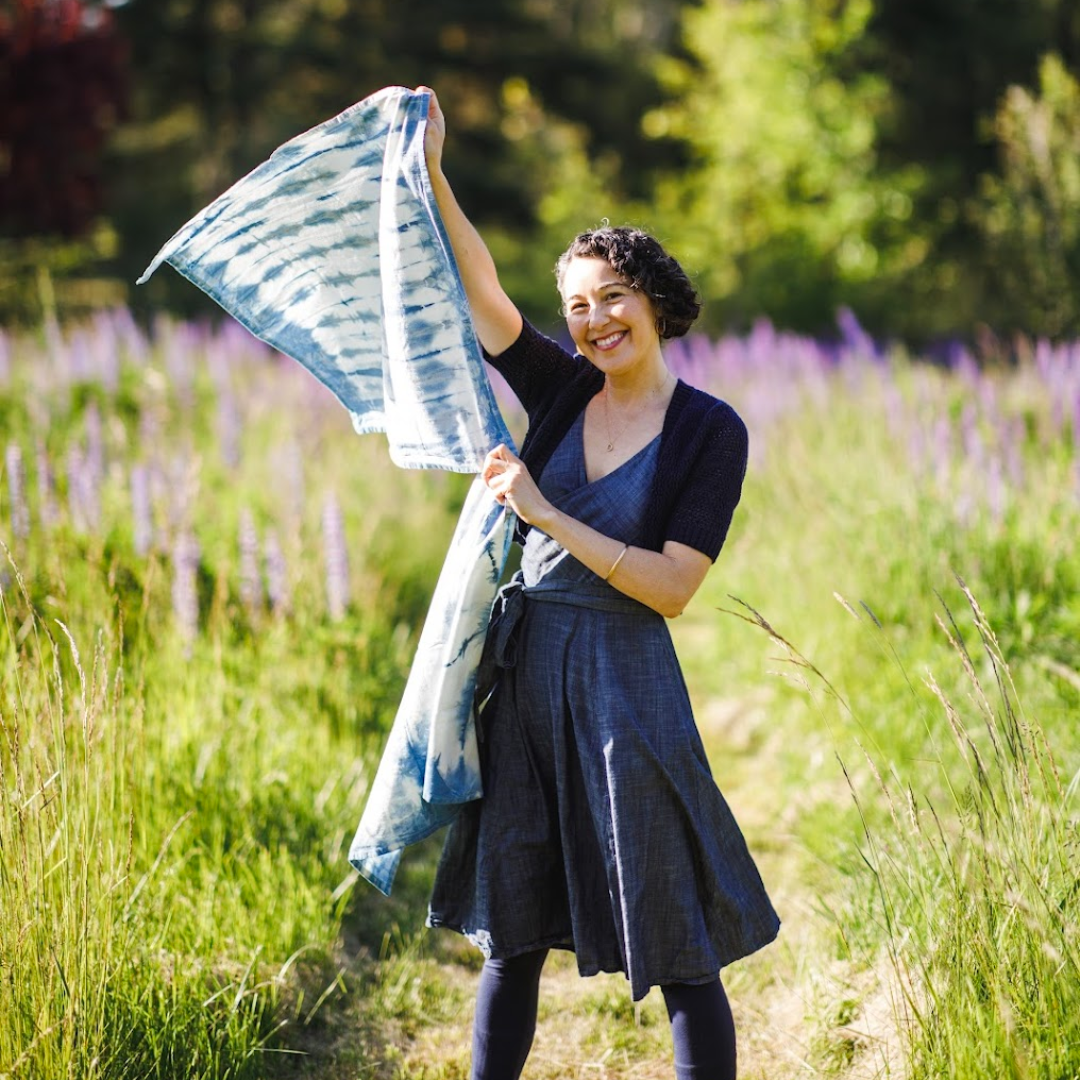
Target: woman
(601,829)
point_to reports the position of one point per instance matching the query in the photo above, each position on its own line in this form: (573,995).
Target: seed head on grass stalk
(981,882)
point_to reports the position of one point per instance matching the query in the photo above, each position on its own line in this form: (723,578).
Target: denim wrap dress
(601,828)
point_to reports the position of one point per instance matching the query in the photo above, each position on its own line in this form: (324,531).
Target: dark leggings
(701,1025)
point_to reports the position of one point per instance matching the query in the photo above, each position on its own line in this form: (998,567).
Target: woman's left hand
(510,482)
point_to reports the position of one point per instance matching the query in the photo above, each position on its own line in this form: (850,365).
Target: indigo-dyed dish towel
(333,252)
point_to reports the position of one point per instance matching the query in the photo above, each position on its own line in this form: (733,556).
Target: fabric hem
(637,993)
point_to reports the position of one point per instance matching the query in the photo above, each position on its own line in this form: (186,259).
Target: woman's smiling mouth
(609,341)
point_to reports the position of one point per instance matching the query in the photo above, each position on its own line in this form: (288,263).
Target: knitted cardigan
(703,445)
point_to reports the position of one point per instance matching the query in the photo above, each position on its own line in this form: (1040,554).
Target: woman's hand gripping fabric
(434,132)
(512,485)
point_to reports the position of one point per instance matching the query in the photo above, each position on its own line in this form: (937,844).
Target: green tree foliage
(948,63)
(798,154)
(785,210)
(222,82)
(1030,211)
(839,149)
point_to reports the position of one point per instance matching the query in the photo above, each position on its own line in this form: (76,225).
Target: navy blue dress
(601,829)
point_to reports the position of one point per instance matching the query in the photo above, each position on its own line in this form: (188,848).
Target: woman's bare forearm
(496,317)
(663,580)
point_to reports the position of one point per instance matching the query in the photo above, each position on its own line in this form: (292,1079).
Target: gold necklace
(613,439)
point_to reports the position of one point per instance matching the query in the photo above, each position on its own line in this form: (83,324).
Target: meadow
(210,592)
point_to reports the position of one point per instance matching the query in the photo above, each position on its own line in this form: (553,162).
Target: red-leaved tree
(63,88)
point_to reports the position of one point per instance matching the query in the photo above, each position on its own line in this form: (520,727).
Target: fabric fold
(333,252)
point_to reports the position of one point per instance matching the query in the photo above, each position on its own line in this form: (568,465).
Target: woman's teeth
(610,340)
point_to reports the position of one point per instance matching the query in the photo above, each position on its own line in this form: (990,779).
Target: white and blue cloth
(333,252)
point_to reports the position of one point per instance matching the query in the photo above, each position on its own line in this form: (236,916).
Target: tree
(62,92)
(785,211)
(1029,212)
(220,83)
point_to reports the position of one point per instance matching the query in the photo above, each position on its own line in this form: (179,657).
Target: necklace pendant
(610,446)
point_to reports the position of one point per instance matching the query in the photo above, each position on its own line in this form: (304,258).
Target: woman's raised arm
(496,318)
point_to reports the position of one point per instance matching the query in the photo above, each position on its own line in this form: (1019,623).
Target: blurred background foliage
(914,160)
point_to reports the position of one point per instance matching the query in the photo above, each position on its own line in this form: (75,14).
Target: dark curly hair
(646,266)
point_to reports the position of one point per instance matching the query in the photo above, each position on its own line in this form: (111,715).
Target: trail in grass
(799,1008)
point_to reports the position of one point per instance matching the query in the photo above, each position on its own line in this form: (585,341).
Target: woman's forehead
(588,273)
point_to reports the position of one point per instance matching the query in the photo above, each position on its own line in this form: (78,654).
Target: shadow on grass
(393,976)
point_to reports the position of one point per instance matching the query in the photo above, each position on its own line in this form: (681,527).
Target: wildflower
(46,483)
(185,597)
(277,576)
(251,594)
(16,483)
(336,559)
(141,509)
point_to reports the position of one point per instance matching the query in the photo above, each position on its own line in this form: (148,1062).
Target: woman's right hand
(435,132)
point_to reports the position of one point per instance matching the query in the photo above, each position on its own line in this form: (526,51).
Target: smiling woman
(601,829)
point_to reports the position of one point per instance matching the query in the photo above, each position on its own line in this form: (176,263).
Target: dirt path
(800,1008)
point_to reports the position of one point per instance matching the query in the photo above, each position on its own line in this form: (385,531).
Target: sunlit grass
(176,801)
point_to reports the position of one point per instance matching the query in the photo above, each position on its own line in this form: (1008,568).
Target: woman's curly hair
(645,265)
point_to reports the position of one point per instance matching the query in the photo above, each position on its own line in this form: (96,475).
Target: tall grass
(210,591)
(978,877)
(151,920)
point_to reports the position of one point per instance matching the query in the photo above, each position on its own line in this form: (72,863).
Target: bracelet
(626,548)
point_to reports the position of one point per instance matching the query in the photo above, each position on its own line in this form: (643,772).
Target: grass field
(210,592)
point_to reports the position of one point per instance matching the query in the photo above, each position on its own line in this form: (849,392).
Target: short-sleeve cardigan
(703,444)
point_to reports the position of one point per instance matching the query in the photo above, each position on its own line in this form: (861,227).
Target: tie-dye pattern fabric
(333,252)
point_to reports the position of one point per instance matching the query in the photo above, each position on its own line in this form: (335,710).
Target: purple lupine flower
(229,429)
(105,351)
(1057,414)
(80,365)
(160,488)
(149,428)
(130,340)
(16,484)
(48,513)
(180,344)
(287,464)
(892,401)
(336,559)
(277,574)
(185,596)
(995,489)
(75,489)
(942,452)
(95,442)
(972,438)
(856,341)
(917,451)
(251,594)
(141,509)
(964,364)
(1014,434)
(1044,358)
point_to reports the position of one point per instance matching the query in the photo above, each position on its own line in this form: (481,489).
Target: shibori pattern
(333,252)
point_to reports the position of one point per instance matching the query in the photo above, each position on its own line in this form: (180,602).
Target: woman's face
(612,324)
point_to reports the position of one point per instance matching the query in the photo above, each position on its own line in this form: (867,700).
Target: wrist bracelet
(626,548)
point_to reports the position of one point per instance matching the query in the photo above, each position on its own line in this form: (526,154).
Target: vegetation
(910,159)
(210,592)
